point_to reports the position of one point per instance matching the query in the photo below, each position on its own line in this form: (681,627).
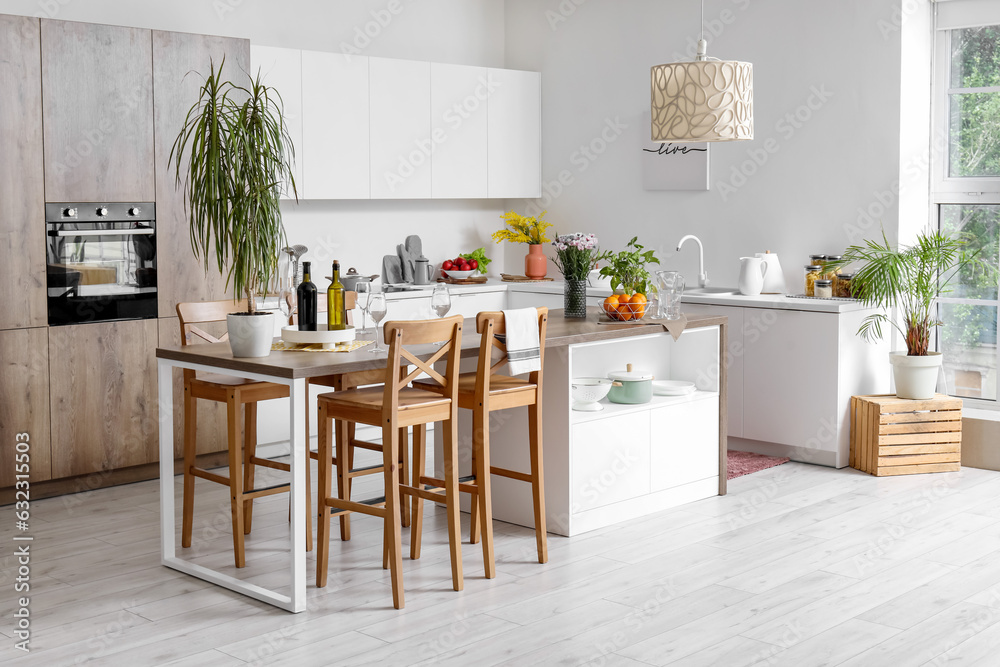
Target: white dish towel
(523,350)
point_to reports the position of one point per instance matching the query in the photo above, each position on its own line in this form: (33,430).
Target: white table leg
(165,384)
(299,460)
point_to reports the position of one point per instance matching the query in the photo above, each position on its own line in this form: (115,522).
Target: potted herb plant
(232,157)
(576,255)
(909,279)
(522,229)
(630,281)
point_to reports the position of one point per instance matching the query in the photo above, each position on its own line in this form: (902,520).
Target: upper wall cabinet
(379,128)
(281,69)
(515,141)
(399,95)
(22,234)
(335,112)
(181,63)
(97,83)
(459,112)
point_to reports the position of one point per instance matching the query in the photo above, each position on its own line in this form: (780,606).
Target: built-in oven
(101,261)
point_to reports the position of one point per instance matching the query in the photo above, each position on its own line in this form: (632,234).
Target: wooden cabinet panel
(22,197)
(98,112)
(103,396)
(282,70)
(24,401)
(212,435)
(515,141)
(401,145)
(334,126)
(181,276)
(459,97)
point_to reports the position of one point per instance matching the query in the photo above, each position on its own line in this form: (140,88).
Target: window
(965,188)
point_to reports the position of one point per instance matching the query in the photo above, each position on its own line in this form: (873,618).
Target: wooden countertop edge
(561,333)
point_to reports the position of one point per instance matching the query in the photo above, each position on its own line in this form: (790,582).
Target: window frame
(944,189)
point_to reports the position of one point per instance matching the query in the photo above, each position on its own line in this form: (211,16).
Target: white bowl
(673,387)
(587,393)
(460,275)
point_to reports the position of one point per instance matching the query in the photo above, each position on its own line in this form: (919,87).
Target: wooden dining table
(293,368)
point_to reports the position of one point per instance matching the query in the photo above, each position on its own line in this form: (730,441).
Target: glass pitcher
(669,287)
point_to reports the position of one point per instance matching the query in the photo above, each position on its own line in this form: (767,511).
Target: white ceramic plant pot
(915,377)
(250,335)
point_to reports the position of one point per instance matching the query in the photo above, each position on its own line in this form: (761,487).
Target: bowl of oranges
(626,307)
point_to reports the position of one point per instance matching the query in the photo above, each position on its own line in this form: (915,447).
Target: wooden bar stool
(483,392)
(343,382)
(394,406)
(235,392)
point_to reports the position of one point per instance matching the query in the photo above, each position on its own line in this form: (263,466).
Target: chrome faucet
(702,276)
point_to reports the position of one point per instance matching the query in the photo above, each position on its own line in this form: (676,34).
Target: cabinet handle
(145,231)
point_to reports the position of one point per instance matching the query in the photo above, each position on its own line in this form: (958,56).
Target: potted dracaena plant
(232,157)
(910,279)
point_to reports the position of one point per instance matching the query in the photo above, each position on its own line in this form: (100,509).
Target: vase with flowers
(576,255)
(522,229)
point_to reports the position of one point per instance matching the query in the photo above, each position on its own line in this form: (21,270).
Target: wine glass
(377,309)
(441,301)
(363,291)
(287,301)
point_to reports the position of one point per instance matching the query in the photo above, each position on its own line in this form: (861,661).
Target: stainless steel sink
(711,291)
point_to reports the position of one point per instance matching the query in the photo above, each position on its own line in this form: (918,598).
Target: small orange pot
(536,264)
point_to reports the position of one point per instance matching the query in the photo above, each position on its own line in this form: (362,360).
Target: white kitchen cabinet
(459,97)
(335,117)
(465,303)
(282,70)
(550,300)
(400,143)
(611,460)
(514,146)
(683,444)
(734,359)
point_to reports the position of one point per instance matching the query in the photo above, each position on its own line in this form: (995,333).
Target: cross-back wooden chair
(394,406)
(236,393)
(342,382)
(483,392)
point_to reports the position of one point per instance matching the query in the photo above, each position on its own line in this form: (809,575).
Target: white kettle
(774,279)
(752,272)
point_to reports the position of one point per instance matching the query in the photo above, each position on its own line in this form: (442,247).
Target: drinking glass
(363,290)
(287,301)
(670,286)
(377,309)
(440,301)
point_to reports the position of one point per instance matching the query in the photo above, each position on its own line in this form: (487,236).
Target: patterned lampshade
(703,100)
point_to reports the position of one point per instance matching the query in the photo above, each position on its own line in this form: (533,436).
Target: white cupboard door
(335,126)
(469,305)
(281,69)
(610,460)
(514,146)
(684,443)
(790,378)
(401,144)
(459,98)
(734,359)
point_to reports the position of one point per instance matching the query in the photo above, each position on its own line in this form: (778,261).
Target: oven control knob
(102,211)
(69,212)
(134,211)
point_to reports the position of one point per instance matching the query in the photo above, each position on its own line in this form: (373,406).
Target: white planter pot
(915,377)
(250,335)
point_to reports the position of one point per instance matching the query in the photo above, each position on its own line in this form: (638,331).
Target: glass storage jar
(831,273)
(823,288)
(842,285)
(812,275)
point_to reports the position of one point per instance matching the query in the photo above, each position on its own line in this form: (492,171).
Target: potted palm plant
(910,279)
(239,158)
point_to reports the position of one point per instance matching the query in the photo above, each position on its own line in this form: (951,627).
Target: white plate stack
(673,387)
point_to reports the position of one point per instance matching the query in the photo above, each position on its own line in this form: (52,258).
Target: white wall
(359,233)
(806,196)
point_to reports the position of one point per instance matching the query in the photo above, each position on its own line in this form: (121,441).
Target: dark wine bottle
(307,299)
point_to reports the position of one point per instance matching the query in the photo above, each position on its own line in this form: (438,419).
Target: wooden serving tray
(473,280)
(508,278)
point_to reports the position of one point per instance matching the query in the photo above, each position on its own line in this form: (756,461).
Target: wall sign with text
(674,166)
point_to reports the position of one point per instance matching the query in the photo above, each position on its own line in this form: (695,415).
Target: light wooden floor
(798,566)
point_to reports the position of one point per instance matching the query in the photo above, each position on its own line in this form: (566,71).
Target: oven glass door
(100,271)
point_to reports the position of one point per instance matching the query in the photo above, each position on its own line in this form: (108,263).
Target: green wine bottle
(336,305)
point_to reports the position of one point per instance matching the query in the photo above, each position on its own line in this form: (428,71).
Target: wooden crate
(898,436)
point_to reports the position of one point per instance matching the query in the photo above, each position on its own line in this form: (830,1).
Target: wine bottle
(307,300)
(336,305)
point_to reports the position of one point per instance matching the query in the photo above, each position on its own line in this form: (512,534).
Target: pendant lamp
(702,100)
